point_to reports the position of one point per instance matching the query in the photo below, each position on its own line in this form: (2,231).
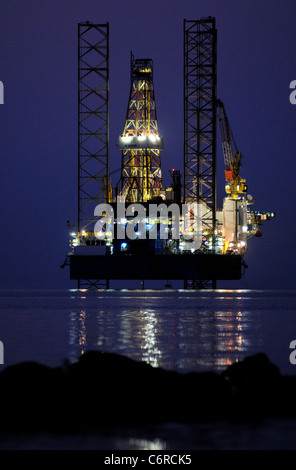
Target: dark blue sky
(38,146)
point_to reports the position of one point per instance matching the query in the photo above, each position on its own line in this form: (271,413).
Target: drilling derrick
(140,142)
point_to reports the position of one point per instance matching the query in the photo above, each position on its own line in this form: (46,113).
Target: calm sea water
(173,329)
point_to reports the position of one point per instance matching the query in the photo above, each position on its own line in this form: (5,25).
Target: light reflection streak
(149,334)
(145,444)
(230,335)
(77,334)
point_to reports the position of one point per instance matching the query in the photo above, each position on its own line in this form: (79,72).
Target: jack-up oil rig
(139,229)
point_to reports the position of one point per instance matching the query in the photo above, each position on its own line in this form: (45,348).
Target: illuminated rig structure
(140,142)
(140,230)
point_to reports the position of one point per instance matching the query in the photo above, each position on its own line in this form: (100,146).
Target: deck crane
(235,185)
(238,222)
(235,213)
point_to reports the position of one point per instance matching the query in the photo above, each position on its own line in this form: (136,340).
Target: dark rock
(109,389)
(257,367)
(30,395)
(254,384)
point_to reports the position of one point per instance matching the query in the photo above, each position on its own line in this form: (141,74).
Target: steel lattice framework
(140,142)
(200,82)
(200,101)
(93,128)
(93,121)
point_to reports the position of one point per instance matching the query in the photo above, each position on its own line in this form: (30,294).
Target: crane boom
(235,185)
(225,135)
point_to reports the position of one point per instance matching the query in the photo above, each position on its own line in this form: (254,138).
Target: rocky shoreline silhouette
(107,389)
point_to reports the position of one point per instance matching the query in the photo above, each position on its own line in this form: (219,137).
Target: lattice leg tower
(93,125)
(200,83)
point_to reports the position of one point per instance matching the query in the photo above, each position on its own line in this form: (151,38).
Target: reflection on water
(77,331)
(176,331)
(148,335)
(145,444)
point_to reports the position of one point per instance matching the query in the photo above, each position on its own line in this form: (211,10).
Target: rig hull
(156,267)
